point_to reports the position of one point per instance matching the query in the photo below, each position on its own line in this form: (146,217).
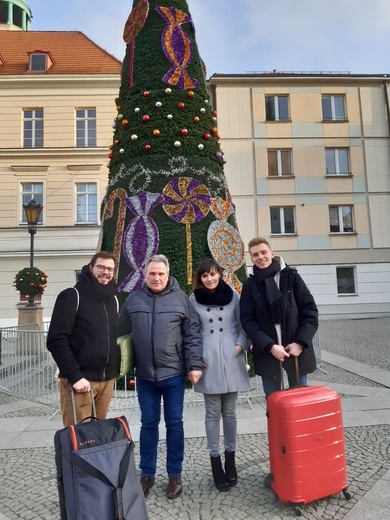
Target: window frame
(27,195)
(279,162)
(83,124)
(282,220)
(340,219)
(277,108)
(87,195)
(33,57)
(333,117)
(339,281)
(336,160)
(35,120)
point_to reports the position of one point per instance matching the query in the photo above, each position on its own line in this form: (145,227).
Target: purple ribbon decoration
(177,47)
(141,238)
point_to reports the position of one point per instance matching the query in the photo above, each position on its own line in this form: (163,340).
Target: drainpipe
(385,83)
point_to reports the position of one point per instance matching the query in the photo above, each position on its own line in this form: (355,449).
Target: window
(279,163)
(86,203)
(341,220)
(31,191)
(345,280)
(276,108)
(333,108)
(337,161)
(282,220)
(33,128)
(85,127)
(38,62)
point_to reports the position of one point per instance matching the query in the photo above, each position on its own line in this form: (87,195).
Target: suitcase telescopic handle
(296,366)
(94,416)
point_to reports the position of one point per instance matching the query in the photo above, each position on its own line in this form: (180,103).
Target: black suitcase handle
(296,366)
(94,416)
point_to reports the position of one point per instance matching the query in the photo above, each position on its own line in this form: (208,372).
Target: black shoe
(268,481)
(230,468)
(219,475)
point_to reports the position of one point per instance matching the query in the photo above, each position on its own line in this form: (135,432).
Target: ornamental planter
(30,283)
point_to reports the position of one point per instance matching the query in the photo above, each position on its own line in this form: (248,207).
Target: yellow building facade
(308,166)
(57,105)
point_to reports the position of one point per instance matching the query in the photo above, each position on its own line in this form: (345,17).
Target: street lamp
(33,211)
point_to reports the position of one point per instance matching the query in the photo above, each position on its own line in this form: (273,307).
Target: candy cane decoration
(108,212)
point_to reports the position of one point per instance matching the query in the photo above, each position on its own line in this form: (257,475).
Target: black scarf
(222,295)
(273,296)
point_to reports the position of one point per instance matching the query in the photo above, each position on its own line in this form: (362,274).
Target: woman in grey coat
(225,372)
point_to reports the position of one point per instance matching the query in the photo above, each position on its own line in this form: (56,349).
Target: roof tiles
(71,52)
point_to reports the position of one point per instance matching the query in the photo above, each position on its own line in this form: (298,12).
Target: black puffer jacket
(83,342)
(299,324)
(166,332)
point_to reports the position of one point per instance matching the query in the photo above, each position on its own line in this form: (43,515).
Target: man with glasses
(82,339)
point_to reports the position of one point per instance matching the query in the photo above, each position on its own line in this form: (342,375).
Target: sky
(245,36)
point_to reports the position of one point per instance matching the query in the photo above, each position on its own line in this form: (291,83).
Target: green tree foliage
(167,190)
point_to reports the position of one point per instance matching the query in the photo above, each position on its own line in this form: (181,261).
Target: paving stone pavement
(359,350)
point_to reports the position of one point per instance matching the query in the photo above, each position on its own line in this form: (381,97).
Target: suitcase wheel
(347,494)
(297,511)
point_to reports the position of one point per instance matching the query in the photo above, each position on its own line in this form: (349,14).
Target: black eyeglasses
(102,268)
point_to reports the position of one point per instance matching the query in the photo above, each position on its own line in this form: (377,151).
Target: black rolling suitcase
(96,474)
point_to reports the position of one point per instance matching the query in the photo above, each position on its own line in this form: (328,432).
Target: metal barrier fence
(27,370)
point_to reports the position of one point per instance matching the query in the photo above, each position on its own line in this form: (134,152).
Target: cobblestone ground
(28,486)
(364,340)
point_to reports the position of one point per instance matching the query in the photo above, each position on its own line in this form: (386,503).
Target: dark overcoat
(299,324)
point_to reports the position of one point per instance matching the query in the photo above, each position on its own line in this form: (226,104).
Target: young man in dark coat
(167,345)
(280,316)
(82,339)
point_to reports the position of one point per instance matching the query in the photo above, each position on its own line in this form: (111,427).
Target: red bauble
(207,136)
(184,131)
(110,155)
(148,147)
(145,118)
(180,105)
(146,93)
(116,141)
(214,112)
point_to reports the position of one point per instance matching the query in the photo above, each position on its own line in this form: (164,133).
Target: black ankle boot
(230,468)
(219,475)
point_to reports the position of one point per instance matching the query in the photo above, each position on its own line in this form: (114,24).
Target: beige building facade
(308,166)
(57,106)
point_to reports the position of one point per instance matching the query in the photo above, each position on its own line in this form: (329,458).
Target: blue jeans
(272,385)
(149,398)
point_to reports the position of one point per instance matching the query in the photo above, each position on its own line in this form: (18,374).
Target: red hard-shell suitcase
(306,444)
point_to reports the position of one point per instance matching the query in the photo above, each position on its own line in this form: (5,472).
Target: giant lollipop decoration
(133,27)
(225,243)
(187,201)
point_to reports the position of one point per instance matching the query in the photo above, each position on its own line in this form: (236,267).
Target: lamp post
(33,211)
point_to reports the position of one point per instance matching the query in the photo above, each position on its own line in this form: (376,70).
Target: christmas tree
(167,191)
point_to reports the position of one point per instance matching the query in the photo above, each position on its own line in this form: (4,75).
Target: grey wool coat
(224,371)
